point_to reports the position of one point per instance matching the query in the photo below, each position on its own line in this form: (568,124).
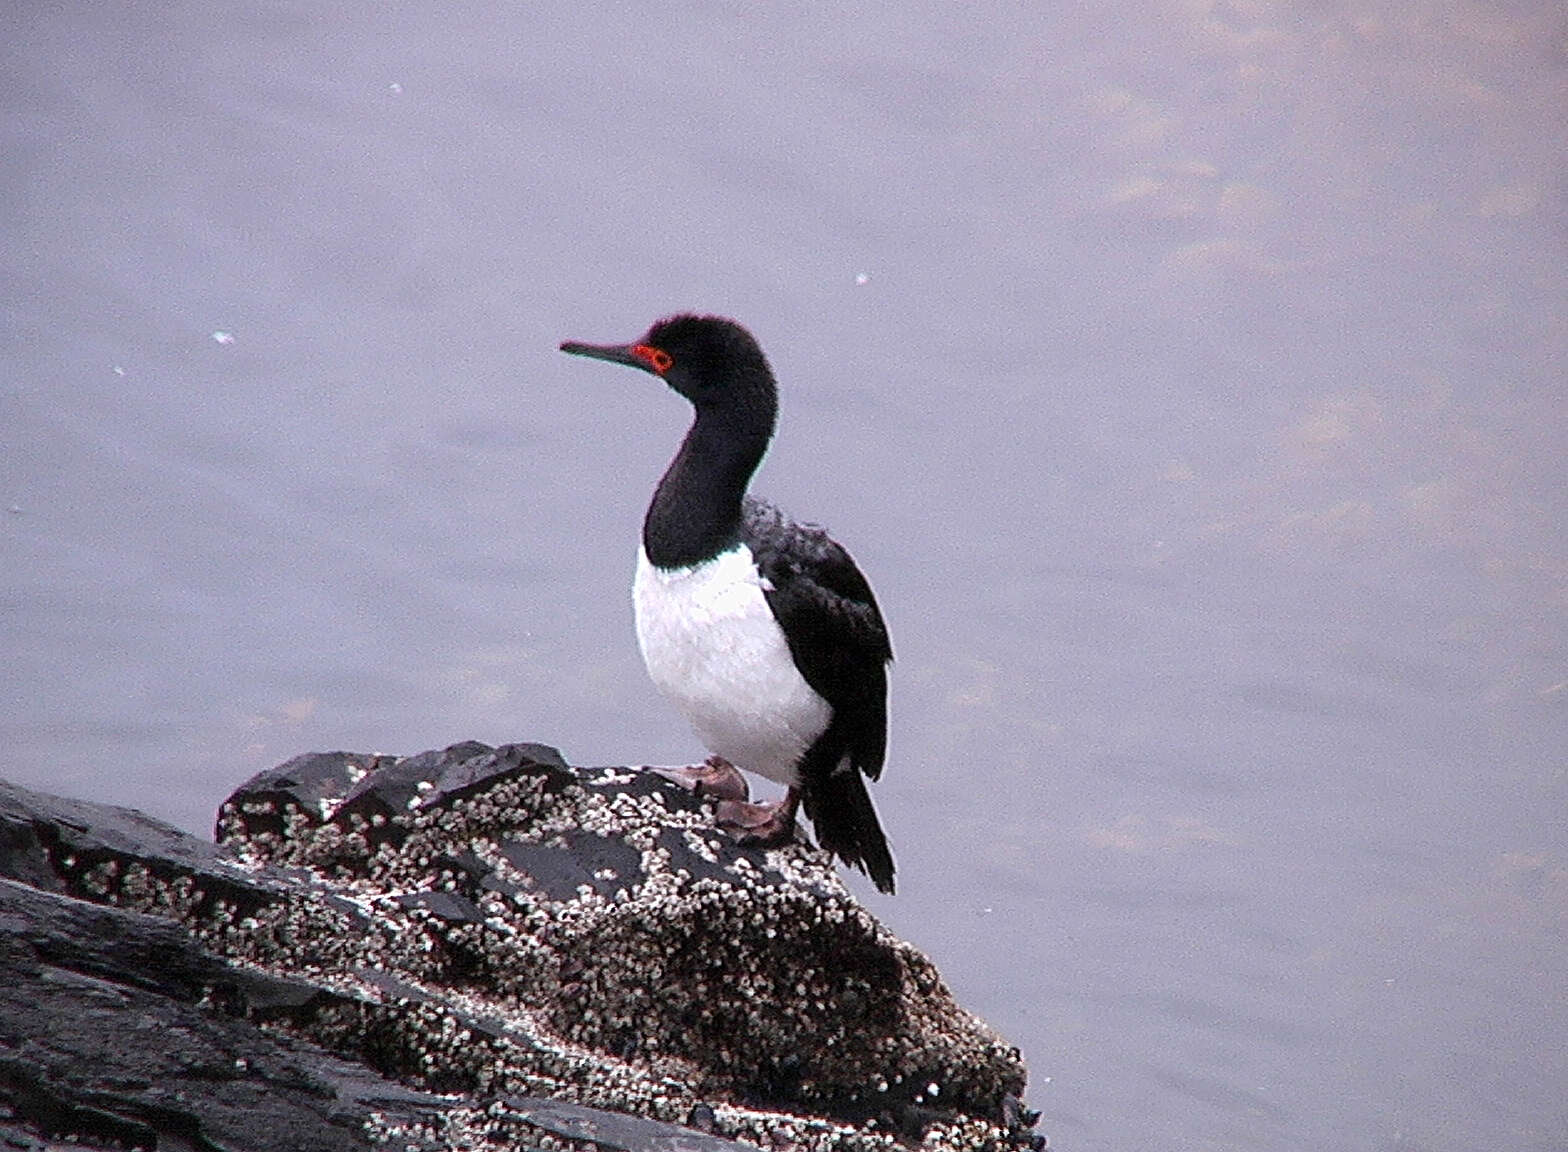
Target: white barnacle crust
(633,958)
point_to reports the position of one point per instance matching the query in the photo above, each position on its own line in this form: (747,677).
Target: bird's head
(711,361)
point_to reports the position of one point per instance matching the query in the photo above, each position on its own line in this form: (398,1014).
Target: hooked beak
(614,353)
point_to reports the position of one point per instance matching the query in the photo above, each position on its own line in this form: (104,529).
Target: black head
(711,361)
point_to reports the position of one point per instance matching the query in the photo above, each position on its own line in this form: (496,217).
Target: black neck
(696,510)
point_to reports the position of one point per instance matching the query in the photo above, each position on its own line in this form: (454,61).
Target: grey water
(1189,377)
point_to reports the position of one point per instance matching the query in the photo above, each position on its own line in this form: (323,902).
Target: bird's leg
(766,824)
(715,777)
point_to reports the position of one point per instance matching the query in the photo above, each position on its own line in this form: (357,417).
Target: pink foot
(768,825)
(714,778)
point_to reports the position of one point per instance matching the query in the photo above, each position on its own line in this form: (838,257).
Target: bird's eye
(656,358)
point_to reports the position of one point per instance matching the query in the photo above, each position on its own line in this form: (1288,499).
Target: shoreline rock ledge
(476,948)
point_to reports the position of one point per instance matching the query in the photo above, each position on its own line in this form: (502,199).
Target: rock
(116,1031)
(474,947)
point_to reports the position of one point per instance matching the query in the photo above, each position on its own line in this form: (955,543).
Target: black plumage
(840,644)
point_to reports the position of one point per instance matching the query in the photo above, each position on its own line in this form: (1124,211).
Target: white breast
(713,648)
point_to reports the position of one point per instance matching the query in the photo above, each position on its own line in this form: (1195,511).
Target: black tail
(840,810)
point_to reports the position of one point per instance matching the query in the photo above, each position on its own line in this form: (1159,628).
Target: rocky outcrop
(477,948)
(118,1030)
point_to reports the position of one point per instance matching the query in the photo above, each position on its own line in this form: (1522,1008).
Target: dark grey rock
(573,862)
(612,1131)
(116,1031)
(553,947)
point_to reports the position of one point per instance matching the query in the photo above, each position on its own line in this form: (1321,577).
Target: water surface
(1188,377)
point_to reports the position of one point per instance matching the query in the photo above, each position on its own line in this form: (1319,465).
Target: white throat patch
(712,647)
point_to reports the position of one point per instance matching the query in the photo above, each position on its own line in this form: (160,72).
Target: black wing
(831,621)
(839,643)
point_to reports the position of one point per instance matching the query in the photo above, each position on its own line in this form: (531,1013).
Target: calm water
(1190,379)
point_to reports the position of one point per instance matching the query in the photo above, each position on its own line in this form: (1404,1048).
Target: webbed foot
(766,825)
(714,778)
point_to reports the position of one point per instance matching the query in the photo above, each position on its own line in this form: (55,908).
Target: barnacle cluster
(494,923)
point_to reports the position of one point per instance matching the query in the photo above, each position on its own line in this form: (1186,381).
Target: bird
(761,631)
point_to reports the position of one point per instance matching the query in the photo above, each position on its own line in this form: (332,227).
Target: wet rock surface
(475,947)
